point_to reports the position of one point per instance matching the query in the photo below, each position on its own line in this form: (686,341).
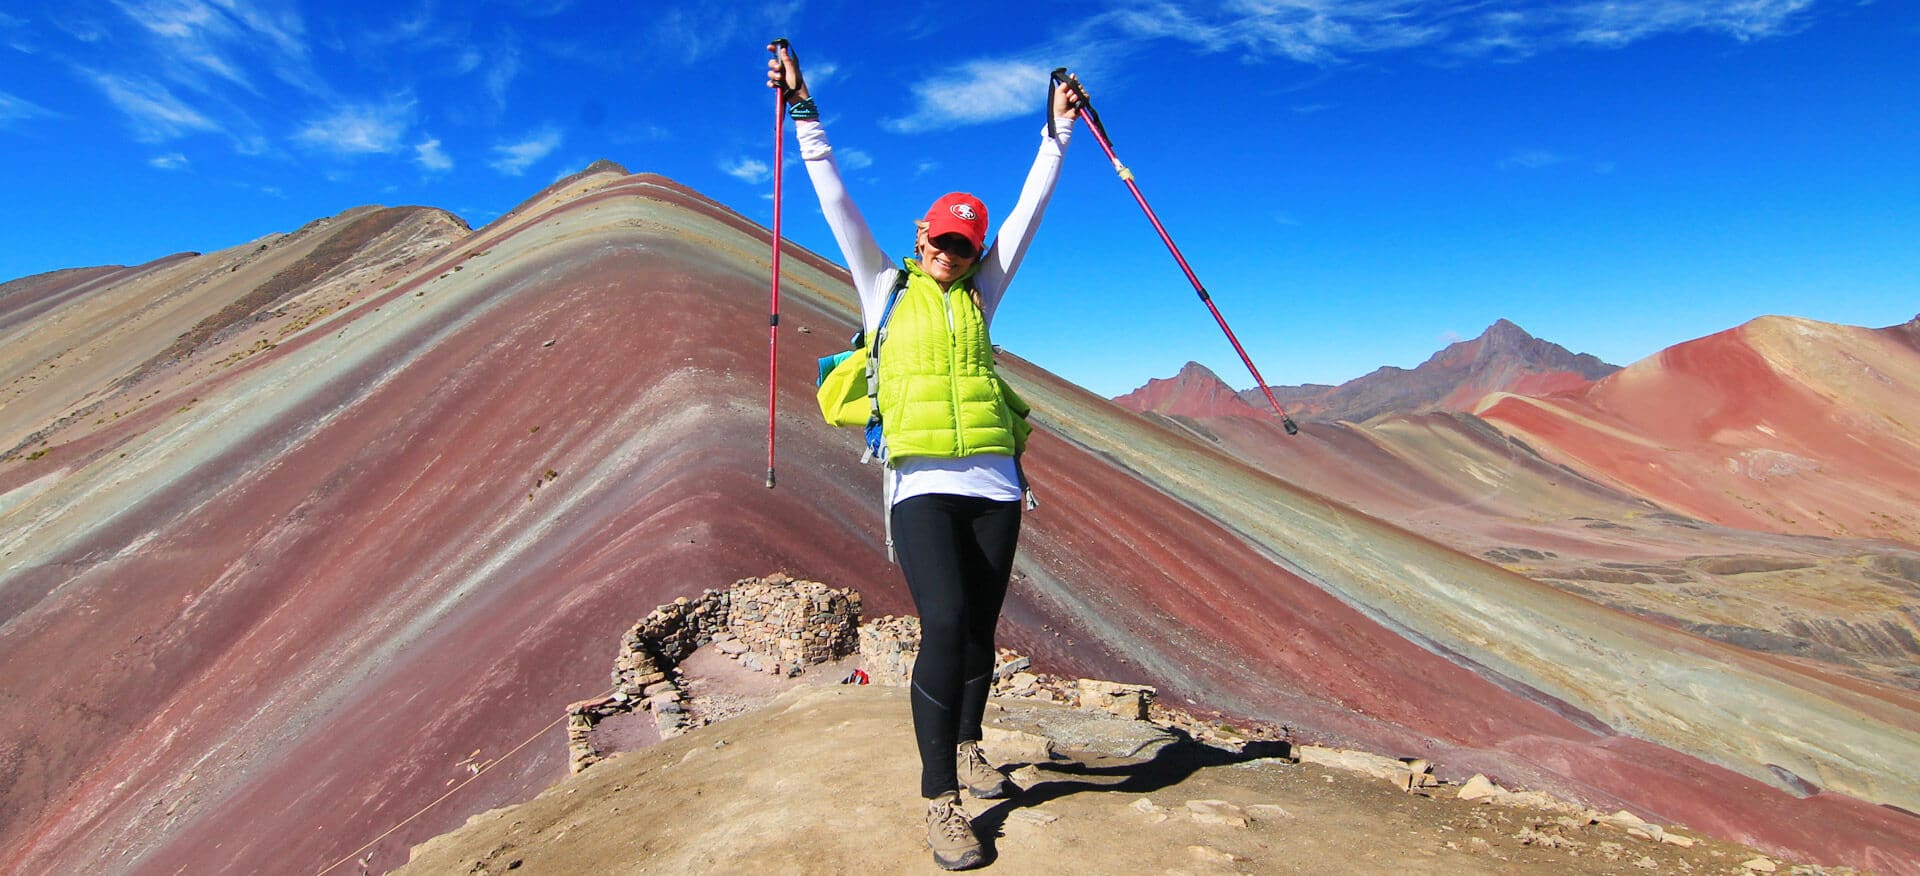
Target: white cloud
(1620,23)
(748,170)
(155,112)
(1322,32)
(225,38)
(13,108)
(982,91)
(515,158)
(1531,159)
(500,76)
(853,159)
(17,34)
(360,129)
(468,61)
(925,167)
(428,154)
(816,73)
(169,161)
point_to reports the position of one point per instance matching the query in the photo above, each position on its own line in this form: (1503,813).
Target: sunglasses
(956,245)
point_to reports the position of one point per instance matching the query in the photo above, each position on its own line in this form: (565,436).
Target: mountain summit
(1195,392)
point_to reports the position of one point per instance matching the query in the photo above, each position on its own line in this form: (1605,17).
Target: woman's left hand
(1066,104)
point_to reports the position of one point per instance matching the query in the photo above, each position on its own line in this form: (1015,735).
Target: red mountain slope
(1195,392)
(1782,424)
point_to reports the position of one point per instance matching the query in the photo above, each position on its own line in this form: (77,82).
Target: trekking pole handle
(1061,76)
(1081,102)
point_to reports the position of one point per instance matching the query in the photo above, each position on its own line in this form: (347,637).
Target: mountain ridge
(1502,358)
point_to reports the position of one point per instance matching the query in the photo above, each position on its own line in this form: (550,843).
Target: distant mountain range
(1504,358)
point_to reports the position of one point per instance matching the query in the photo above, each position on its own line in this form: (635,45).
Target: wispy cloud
(1327,33)
(513,159)
(1620,23)
(169,161)
(154,111)
(360,128)
(748,170)
(853,159)
(500,75)
(982,91)
(1324,33)
(690,30)
(18,108)
(227,39)
(1531,159)
(428,154)
(14,31)
(818,72)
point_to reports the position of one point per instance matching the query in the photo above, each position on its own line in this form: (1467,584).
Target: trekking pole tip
(769,479)
(1286,422)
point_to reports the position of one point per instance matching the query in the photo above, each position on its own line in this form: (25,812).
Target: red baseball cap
(958,213)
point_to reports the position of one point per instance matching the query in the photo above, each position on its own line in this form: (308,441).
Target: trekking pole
(1100,136)
(773,315)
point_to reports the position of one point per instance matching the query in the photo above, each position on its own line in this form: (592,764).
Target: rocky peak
(1194,392)
(1503,358)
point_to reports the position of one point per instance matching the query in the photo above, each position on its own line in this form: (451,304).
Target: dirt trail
(822,780)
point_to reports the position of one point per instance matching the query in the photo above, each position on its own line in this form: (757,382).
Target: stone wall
(780,626)
(773,624)
(797,623)
(888,646)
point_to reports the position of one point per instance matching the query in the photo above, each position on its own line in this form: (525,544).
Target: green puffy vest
(939,394)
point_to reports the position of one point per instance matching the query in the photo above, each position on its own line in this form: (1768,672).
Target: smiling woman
(950,434)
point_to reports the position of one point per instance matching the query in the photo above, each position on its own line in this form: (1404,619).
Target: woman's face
(946,257)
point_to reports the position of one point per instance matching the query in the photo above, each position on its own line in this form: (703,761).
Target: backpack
(848,387)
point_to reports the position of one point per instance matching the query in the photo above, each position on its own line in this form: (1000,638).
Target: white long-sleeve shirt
(988,476)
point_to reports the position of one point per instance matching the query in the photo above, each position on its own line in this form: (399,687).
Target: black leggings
(957,554)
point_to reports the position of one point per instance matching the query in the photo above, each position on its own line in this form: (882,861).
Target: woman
(951,436)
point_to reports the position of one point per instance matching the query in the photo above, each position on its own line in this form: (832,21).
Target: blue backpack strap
(876,448)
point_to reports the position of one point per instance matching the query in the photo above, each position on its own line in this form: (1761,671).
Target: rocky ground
(814,777)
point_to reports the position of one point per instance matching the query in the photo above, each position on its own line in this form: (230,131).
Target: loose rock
(1218,812)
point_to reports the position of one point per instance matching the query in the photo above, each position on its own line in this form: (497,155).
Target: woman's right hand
(783,72)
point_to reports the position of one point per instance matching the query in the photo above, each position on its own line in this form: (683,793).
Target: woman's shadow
(1173,763)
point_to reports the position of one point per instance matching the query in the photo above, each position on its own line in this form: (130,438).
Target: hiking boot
(950,834)
(982,779)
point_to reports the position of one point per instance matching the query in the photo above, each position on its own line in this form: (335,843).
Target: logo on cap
(964,211)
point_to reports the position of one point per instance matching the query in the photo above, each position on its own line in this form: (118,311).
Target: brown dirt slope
(825,779)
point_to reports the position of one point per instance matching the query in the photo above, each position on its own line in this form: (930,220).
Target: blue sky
(1357,183)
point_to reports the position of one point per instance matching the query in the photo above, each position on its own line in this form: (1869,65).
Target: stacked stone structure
(796,623)
(775,624)
(781,626)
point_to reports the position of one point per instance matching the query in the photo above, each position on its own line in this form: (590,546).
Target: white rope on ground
(454,790)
